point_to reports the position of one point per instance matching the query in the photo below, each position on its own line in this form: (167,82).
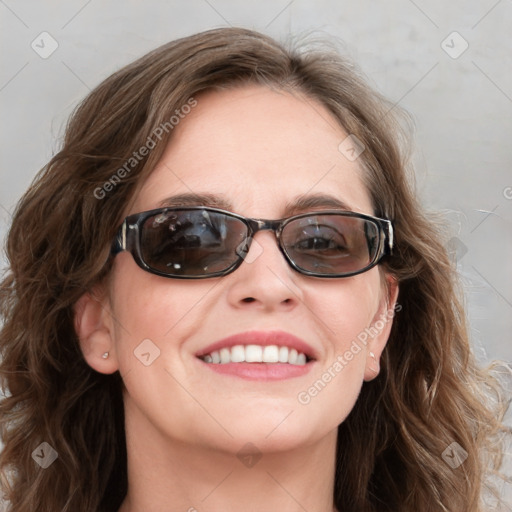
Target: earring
(374,369)
(105,355)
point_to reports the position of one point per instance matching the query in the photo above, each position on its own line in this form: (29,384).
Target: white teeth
(283,354)
(270,354)
(225,355)
(256,354)
(237,354)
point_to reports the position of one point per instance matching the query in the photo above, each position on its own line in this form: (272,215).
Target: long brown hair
(429,394)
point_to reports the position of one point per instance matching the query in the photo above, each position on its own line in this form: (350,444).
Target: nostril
(249,299)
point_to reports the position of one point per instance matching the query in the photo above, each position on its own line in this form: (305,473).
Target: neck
(171,476)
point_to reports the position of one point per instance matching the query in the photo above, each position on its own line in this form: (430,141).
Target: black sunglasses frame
(129,234)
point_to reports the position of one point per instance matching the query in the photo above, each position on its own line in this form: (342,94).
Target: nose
(265,280)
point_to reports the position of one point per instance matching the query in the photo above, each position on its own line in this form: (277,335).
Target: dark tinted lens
(330,243)
(190,243)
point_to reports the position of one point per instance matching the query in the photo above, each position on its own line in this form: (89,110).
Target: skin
(185,424)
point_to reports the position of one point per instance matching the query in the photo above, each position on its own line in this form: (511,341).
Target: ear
(93,326)
(378,332)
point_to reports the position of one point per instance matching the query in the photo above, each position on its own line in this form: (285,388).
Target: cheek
(334,391)
(152,314)
(346,308)
(346,311)
(153,319)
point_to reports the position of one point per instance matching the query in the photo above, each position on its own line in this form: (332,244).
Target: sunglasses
(199,242)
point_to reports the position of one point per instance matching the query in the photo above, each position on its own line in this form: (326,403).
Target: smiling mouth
(256,354)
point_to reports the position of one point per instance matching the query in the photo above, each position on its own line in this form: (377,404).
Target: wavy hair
(430,392)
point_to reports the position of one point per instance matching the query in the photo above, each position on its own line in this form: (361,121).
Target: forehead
(257,151)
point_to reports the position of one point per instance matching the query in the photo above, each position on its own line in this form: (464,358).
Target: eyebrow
(300,204)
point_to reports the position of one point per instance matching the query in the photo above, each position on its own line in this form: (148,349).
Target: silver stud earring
(105,355)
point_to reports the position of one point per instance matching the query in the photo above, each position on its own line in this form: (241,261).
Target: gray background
(461,104)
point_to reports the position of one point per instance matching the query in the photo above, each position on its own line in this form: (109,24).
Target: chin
(269,435)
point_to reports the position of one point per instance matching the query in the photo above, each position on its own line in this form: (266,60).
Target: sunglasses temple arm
(119,243)
(389,237)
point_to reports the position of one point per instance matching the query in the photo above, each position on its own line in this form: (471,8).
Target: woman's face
(259,150)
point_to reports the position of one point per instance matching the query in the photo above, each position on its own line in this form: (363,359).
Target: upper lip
(263,338)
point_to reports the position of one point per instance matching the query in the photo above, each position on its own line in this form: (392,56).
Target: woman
(163,349)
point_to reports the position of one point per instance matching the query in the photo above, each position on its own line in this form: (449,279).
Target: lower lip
(260,371)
